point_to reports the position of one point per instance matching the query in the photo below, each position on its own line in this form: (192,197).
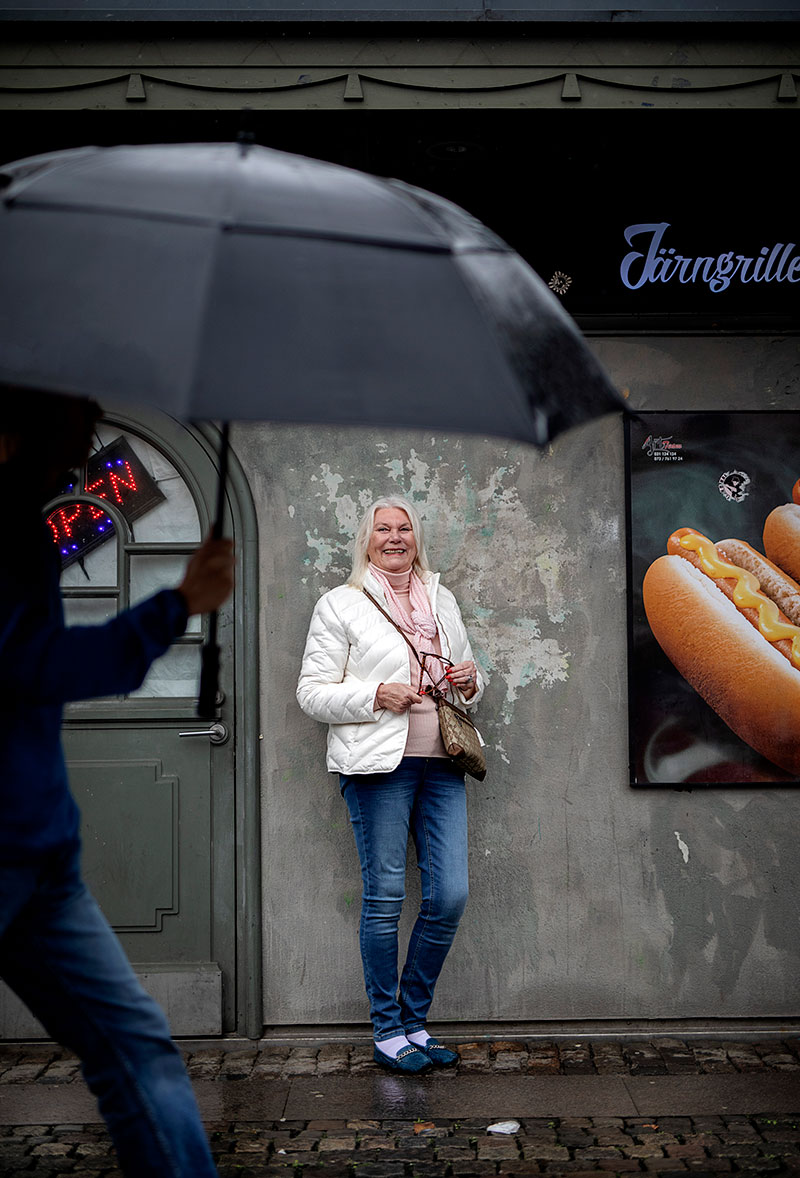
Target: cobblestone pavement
(441,1148)
(429,1149)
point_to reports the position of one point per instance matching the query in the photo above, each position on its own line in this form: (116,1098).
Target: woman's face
(392,547)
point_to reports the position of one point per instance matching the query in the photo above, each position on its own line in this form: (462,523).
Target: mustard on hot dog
(747,592)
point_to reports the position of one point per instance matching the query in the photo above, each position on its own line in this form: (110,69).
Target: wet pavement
(617,1106)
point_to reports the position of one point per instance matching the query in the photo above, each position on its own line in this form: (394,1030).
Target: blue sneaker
(410,1060)
(439,1055)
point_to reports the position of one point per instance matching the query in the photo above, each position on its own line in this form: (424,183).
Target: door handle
(217,733)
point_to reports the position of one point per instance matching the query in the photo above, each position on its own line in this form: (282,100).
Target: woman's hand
(464,676)
(396,697)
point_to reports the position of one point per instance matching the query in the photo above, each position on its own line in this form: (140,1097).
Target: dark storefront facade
(583,144)
(643,163)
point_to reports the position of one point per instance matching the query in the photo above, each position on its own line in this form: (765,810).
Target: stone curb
(49,1064)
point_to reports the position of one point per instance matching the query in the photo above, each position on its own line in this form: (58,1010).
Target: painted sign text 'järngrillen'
(651,261)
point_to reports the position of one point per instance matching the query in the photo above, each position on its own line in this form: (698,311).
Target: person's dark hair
(44,434)
(33,410)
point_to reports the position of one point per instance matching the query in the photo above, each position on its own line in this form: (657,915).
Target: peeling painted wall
(589,900)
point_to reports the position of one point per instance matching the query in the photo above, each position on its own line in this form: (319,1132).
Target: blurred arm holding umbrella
(234,282)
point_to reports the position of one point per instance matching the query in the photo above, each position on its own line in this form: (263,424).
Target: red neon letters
(76,525)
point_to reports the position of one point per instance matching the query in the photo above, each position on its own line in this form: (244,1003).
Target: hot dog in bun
(782,535)
(729,619)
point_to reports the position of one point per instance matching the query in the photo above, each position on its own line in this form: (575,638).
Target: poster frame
(770,474)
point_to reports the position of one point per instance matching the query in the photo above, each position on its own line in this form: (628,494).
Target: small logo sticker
(733,486)
(663,449)
(560,282)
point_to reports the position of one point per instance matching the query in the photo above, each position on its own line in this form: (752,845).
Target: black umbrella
(236,282)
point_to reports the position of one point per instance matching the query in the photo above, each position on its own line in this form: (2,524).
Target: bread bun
(782,536)
(748,683)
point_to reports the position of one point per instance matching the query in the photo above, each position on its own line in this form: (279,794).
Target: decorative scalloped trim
(571,82)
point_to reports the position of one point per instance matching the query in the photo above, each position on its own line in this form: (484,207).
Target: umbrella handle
(209,674)
(209,671)
(224,448)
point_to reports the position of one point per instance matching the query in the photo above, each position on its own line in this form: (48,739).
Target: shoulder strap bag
(461,739)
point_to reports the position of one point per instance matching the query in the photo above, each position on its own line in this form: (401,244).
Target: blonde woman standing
(360,677)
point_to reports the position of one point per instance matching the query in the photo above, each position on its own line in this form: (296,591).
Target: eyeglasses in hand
(428,660)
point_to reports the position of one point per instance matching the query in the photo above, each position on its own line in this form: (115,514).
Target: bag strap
(438,695)
(389,618)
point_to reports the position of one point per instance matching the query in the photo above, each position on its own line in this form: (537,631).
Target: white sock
(392,1047)
(419,1038)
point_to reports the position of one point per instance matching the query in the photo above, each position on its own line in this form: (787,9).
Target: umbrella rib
(252,229)
(353,239)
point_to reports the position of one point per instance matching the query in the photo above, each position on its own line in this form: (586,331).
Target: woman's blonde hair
(364,534)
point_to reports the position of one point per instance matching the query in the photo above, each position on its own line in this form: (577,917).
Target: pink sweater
(424,738)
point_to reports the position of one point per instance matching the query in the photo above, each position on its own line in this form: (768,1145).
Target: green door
(154,783)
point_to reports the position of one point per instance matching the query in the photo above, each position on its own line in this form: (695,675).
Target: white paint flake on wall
(509,569)
(682,846)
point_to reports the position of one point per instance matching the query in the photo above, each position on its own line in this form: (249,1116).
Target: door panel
(130,814)
(149,857)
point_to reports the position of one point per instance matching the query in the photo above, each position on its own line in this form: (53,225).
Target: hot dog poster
(714,598)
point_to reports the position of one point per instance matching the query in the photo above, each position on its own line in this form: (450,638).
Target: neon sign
(115,474)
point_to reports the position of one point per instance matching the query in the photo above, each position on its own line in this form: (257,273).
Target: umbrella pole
(209,673)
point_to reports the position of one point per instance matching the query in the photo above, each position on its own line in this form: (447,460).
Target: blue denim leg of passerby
(426,796)
(59,954)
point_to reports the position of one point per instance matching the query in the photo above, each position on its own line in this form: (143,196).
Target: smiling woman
(368,672)
(392,547)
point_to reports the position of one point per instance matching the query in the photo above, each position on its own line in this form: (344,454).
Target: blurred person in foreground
(57,951)
(367,673)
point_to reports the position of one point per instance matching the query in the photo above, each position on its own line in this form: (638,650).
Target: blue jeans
(426,796)
(58,953)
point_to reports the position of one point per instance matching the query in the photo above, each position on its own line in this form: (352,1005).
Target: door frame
(176,440)
(247,769)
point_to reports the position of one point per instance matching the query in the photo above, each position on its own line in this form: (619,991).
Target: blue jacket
(44,665)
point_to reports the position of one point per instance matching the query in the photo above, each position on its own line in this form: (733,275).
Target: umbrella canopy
(235,282)
(232,281)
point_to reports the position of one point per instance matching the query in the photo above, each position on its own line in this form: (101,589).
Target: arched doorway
(169,802)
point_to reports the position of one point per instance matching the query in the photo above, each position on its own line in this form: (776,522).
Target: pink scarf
(421,626)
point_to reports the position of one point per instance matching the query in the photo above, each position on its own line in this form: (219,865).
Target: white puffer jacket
(350,649)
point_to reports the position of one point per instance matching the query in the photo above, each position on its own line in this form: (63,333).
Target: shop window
(115,557)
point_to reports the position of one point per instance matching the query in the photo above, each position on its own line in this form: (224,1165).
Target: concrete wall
(589,900)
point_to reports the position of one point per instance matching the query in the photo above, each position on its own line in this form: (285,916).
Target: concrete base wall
(589,900)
